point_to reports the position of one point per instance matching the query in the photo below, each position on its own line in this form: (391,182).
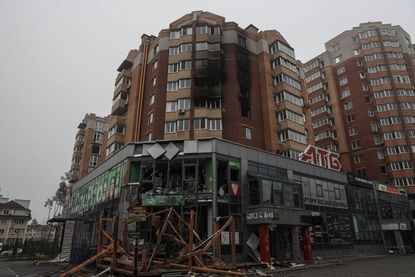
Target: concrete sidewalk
(317,263)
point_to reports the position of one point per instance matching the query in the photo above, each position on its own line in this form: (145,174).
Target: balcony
(125,65)
(284,86)
(282,105)
(117,137)
(280,53)
(207,112)
(81,132)
(120,88)
(326,140)
(206,54)
(208,91)
(291,144)
(77,154)
(75,167)
(212,69)
(289,124)
(318,101)
(116,120)
(73,178)
(123,82)
(119,107)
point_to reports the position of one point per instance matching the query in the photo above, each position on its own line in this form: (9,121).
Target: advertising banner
(103,188)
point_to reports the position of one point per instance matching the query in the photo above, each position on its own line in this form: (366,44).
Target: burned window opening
(178,176)
(245,108)
(209,103)
(208,78)
(244,80)
(222,173)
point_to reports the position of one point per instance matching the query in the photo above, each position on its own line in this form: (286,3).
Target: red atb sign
(321,157)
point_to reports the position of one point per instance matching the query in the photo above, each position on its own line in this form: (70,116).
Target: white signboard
(253,241)
(324,194)
(67,240)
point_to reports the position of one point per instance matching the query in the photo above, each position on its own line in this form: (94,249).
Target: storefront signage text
(262,215)
(321,157)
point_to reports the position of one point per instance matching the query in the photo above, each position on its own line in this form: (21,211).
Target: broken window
(244,82)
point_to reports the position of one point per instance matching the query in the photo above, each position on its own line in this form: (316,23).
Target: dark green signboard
(162,200)
(105,187)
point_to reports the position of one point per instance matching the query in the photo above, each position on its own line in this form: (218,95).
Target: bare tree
(49,205)
(58,200)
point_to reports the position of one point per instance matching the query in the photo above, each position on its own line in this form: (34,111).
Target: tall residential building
(14,217)
(89,147)
(205,77)
(120,104)
(362,101)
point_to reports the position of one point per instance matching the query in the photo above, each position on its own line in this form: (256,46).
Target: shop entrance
(281,243)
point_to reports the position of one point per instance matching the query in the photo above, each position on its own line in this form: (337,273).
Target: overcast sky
(58,61)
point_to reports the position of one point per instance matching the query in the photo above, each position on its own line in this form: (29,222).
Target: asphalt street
(388,266)
(9,268)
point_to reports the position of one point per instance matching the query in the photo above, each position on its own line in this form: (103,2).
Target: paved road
(25,269)
(389,266)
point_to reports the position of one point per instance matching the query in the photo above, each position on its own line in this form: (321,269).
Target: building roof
(12,205)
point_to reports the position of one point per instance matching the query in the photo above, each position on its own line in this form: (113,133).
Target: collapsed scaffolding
(156,203)
(191,252)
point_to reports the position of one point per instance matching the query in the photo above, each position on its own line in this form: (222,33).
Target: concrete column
(210,225)
(265,247)
(214,208)
(295,236)
(214,192)
(307,250)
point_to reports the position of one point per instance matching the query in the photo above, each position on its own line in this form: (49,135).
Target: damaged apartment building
(211,117)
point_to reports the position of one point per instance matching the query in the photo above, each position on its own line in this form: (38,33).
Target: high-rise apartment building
(89,147)
(205,77)
(362,101)
(118,119)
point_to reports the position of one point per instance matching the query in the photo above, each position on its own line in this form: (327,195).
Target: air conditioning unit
(182,111)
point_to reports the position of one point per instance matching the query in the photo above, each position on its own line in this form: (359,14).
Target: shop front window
(277,193)
(266,191)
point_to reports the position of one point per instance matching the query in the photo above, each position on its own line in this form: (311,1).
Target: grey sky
(58,61)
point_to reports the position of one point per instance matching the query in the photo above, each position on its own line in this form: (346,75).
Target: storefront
(396,218)
(284,209)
